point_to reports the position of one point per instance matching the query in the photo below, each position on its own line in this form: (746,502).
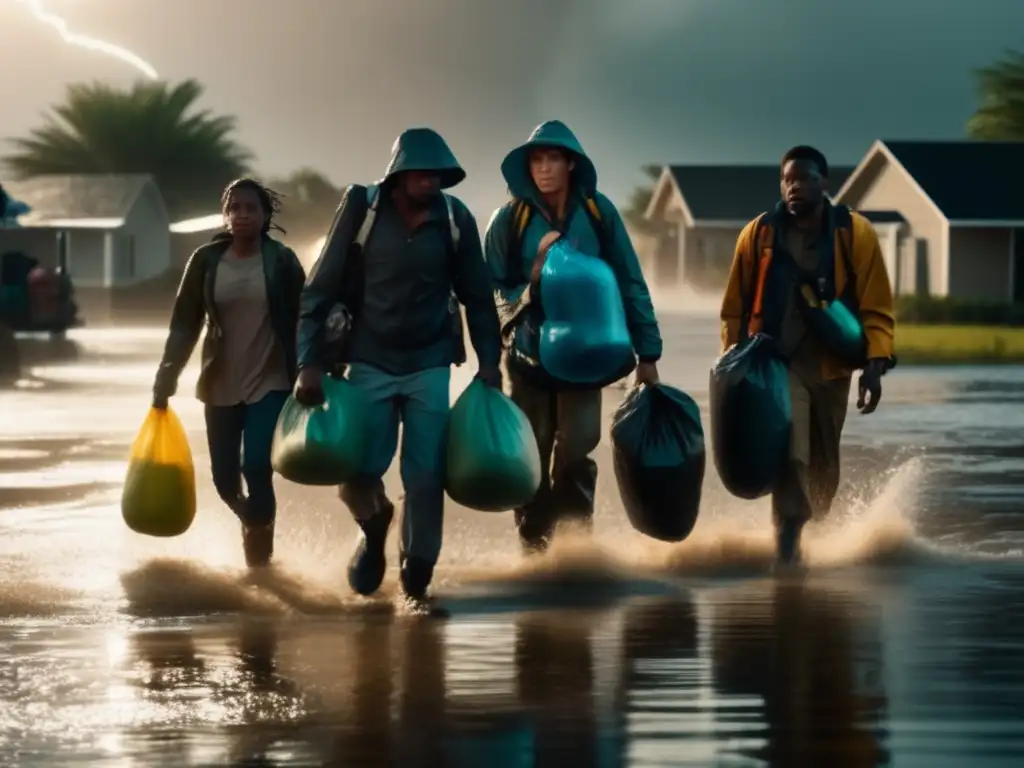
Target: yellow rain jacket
(746,302)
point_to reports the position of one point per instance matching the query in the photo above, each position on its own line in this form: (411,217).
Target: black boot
(535,523)
(416,575)
(258,544)
(787,539)
(368,564)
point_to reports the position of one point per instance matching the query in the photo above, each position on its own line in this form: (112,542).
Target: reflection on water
(904,644)
(797,653)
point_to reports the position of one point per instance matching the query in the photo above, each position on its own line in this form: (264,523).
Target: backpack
(522,212)
(342,315)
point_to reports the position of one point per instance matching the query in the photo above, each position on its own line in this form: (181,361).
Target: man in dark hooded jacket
(400,257)
(554,190)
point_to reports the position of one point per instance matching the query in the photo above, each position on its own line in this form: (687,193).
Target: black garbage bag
(659,458)
(751,417)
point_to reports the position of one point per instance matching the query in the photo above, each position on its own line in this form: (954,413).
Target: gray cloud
(329,83)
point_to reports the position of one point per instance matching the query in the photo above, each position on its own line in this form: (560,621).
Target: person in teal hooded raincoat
(400,285)
(557,182)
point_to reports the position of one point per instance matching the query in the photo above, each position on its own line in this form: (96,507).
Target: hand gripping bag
(751,417)
(322,445)
(659,459)
(493,463)
(159,495)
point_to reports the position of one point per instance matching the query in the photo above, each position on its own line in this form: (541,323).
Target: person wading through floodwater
(399,258)
(809,241)
(554,189)
(245,286)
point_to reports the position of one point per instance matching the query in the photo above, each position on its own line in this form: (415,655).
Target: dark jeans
(568,429)
(240,437)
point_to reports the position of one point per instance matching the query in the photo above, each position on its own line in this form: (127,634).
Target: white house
(116,226)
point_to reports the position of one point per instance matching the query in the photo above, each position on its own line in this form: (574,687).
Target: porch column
(108,259)
(1011,293)
(680,254)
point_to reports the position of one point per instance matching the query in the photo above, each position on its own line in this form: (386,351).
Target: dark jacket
(510,271)
(419,272)
(195,305)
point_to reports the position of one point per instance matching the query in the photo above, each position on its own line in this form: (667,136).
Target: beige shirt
(795,340)
(251,361)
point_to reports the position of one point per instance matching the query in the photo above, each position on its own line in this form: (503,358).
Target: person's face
(421,187)
(803,187)
(243,213)
(550,169)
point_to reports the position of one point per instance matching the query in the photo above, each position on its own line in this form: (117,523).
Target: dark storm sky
(330,83)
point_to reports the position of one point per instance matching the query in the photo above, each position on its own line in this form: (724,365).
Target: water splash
(35,7)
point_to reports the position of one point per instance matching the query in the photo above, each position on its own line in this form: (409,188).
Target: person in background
(401,283)
(245,287)
(554,194)
(807,239)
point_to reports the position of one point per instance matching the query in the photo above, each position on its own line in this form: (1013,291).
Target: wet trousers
(240,437)
(420,403)
(567,426)
(811,477)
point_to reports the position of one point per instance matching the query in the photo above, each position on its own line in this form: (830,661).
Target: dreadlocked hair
(270,202)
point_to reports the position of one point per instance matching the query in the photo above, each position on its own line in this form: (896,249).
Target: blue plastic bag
(751,417)
(575,336)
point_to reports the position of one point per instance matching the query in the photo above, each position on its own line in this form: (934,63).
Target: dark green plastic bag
(751,417)
(493,460)
(321,445)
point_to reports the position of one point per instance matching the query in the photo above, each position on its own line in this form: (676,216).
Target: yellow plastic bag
(159,496)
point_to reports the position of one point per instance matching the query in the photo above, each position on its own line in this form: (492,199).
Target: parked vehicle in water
(48,304)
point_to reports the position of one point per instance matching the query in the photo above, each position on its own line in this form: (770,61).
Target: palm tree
(1000,116)
(635,211)
(152,128)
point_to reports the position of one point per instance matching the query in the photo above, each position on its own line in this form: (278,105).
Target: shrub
(929,310)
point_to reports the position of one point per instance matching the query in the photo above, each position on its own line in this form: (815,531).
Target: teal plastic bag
(836,326)
(493,461)
(321,445)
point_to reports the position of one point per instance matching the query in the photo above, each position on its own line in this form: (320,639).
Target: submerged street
(903,645)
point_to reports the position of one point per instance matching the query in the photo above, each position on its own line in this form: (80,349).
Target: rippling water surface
(904,644)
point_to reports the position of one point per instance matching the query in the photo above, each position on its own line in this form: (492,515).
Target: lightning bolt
(35,7)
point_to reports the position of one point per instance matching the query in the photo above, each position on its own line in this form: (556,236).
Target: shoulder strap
(521,213)
(757,234)
(595,211)
(372,196)
(453,226)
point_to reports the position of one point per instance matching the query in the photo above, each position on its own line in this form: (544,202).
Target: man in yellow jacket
(808,241)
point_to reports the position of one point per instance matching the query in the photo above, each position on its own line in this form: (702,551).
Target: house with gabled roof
(702,209)
(115,227)
(963,210)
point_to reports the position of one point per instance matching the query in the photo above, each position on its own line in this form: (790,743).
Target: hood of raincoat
(423,149)
(554,133)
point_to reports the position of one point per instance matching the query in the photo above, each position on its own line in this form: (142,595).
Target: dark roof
(967,180)
(736,192)
(883,217)
(79,197)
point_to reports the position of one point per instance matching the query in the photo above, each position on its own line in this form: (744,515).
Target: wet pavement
(903,645)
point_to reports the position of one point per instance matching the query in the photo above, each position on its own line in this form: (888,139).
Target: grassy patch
(940,344)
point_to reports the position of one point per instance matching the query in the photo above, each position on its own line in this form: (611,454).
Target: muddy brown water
(903,645)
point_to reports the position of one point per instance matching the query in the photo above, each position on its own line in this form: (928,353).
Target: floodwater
(903,645)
